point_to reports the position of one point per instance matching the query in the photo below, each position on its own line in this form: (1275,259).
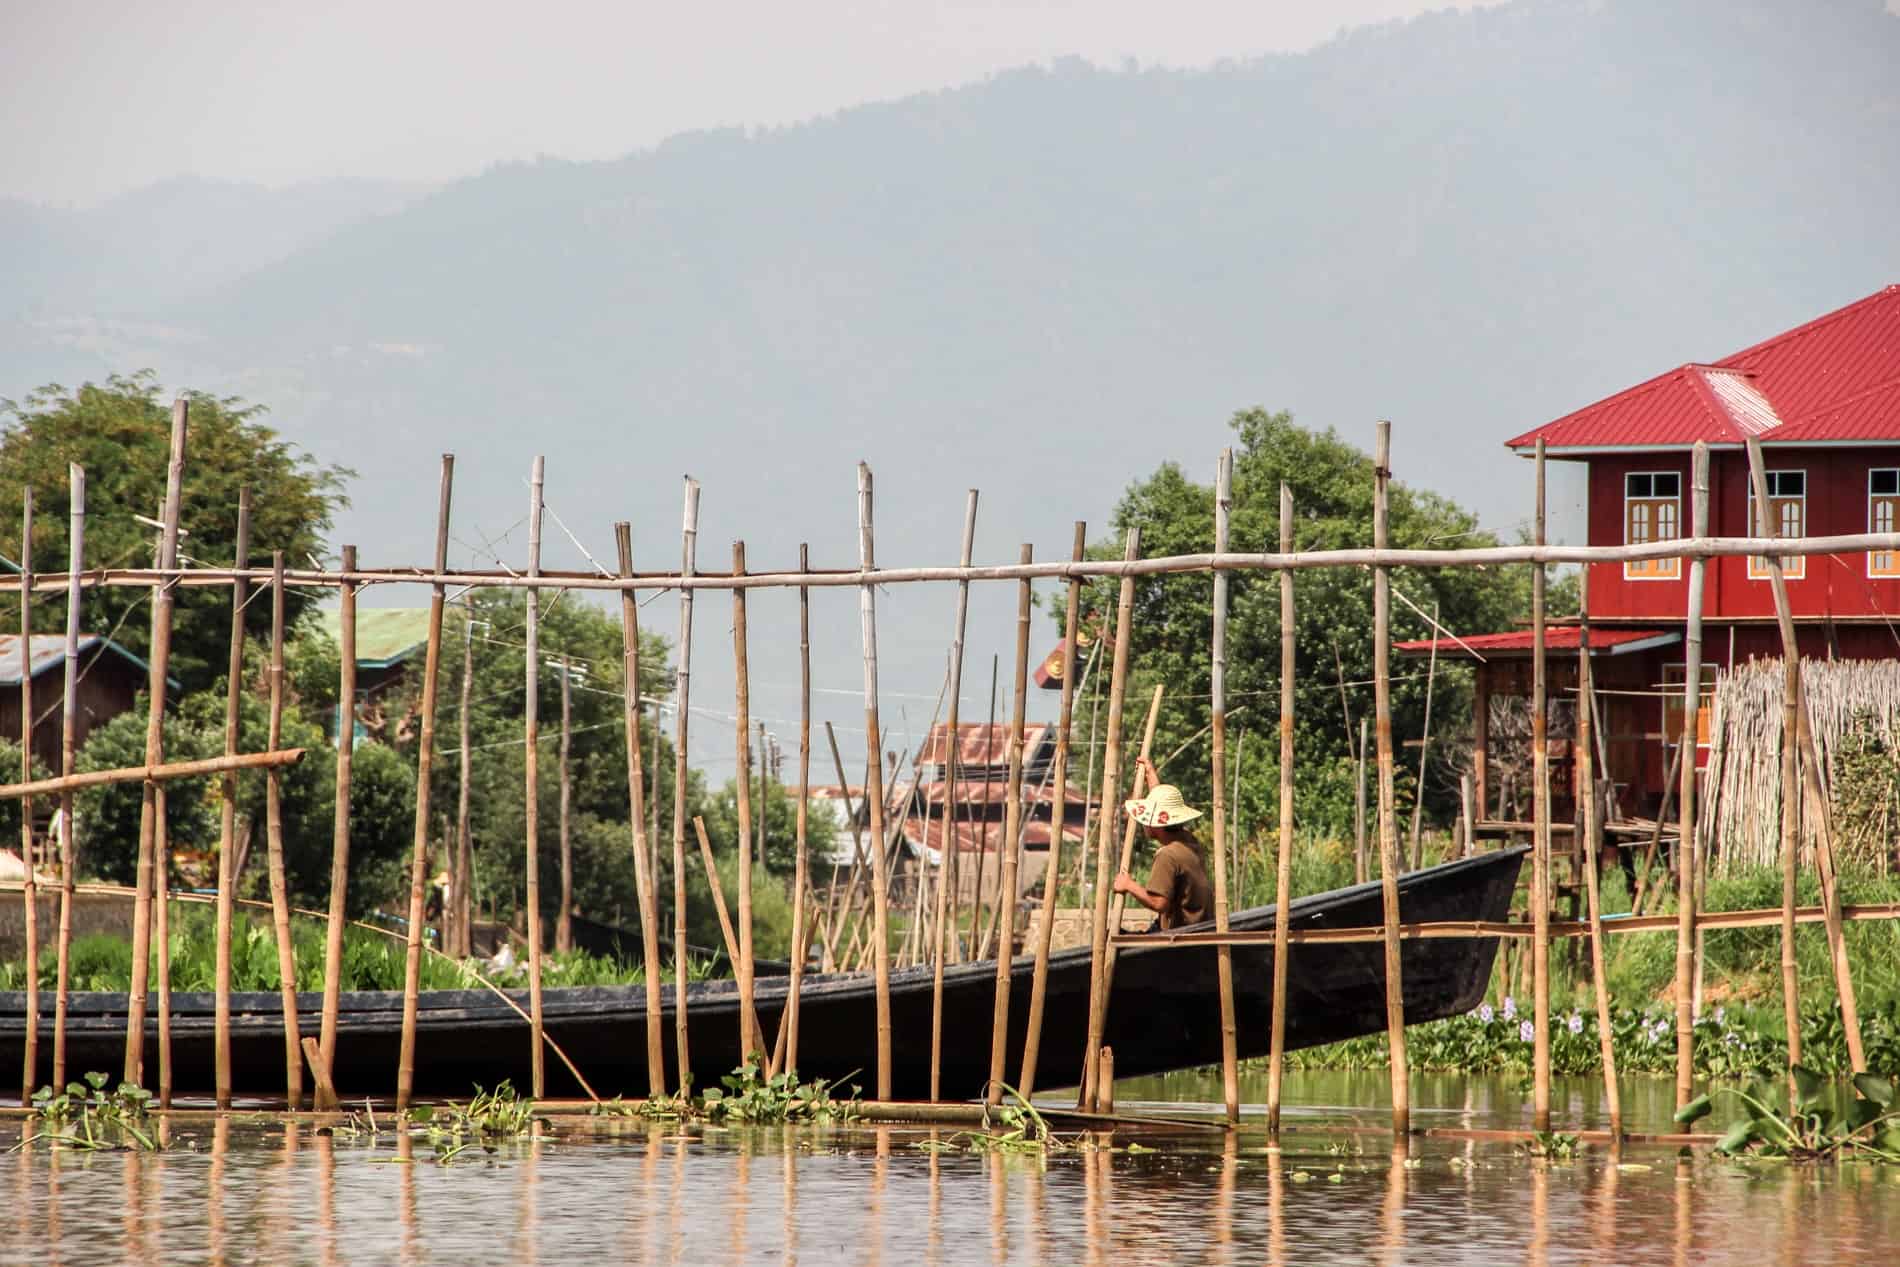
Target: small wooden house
(110,678)
(1824,401)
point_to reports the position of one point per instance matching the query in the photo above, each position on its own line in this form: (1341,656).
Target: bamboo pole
(801,864)
(1685,794)
(750,1041)
(1670,782)
(1424,747)
(947,897)
(1388,826)
(1790,859)
(564,918)
(1058,821)
(68,752)
(159,665)
(1360,869)
(227,818)
(1540,814)
(29,888)
(274,845)
(1143,780)
(979,931)
(725,930)
(644,880)
(874,792)
(1224,957)
(464,870)
(1592,835)
(1811,768)
(1283,859)
(161,937)
(531,804)
(164,773)
(682,681)
(425,770)
(1111,784)
(1012,836)
(340,832)
(836,915)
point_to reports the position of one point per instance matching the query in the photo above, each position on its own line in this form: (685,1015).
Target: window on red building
(1652,511)
(1788,507)
(1883,512)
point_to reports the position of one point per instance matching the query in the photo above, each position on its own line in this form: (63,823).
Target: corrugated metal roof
(385,636)
(1836,378)
(994,792)
(984,837)
(979,743)
(1556,638)
(49,651)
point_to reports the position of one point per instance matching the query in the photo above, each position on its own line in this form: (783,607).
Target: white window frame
(1883,564)
(1793,566)
(1653,569)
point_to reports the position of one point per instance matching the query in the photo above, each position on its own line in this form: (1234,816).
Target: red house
(1824,399)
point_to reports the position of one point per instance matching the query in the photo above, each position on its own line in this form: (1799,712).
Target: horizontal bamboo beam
(153,773)
(1763,918)
(1487,556)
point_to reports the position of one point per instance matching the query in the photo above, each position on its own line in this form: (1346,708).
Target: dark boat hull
(1163,1013)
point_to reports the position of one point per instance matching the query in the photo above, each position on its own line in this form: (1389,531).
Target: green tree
(120,431)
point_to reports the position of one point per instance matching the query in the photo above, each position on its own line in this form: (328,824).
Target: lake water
(254,1190)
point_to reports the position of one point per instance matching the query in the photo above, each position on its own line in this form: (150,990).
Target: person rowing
(1177,890)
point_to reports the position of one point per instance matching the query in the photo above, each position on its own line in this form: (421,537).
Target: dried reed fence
(1739,823)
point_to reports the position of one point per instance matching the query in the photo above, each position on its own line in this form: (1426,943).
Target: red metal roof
(980,744)
(975,792)
(984,837)
(1556,638)
(1836,378)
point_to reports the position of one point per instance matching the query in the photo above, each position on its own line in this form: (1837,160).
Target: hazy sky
(100,96)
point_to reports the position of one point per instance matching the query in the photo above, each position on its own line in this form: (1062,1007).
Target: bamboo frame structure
(29,885)
(227,818)
(644,881)
(874,789)
(1540,850)
(1217,721)
(1686,942)
(682,682)
(68,754)
(1012,839)
(340,833)
(425,768)
(749,1038)
(1388,826)
(531,761)
(1283,850)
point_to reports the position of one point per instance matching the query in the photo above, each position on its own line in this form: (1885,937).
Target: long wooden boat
(1163,1012)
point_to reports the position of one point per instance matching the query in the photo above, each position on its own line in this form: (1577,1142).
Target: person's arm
(1125,883)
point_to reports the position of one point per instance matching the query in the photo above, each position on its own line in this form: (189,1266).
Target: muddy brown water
(265,1191)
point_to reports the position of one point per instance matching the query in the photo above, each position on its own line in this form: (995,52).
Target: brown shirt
(1180,877)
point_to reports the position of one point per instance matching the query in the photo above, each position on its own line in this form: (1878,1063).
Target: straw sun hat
(1162,807)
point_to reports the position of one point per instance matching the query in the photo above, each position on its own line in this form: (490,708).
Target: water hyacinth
(1526,1031)
(1485,1013)
(1510,1008)
(1576,1023)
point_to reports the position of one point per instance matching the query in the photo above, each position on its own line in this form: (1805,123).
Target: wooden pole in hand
(682,682)
(531,804)
(464,849)
(643,879)
(227,815)
(1012,836)
(1111,785)
(874,790)
(29,889)
(274,846)
(750,1042)
(1283,861)
(1058,819)
(801,865)
(1224,956)
(1540,826)
(1592,835)
(1810,769)
(947,853)
(340,832)
(1685,794)
(1388,825)
(68,751)
(425,769)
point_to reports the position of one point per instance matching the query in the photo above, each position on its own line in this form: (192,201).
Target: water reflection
(239,1190)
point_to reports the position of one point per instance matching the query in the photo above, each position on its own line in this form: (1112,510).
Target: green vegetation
(1815,1128)
(747,1095)
(87,1116)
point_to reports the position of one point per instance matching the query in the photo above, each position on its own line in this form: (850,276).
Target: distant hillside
(1048,282)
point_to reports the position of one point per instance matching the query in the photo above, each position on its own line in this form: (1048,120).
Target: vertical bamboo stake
(1790,853)
(564,920)
(750,1042)
(1224,955)
(801,866)
(464,849)
(531,804)
(874,790)
(979,931)
(1111,786)
(29,890)
(1540,848)
(227,816)
(69,746)
(1810,767)
(161,937)
(274,844)
(682,681)
(1388,825)
(643,878)
(1283,861)
(1592,834)
(340,834)
(1359,867)
(425,770)
(1424,747)
(1058,819)
(1467,815)
(154,749)
(1012,834)
(1685,794)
